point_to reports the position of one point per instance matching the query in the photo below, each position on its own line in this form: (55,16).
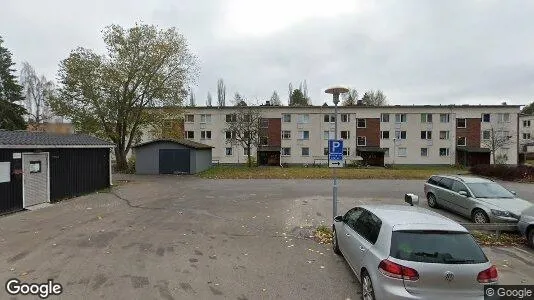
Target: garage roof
(27,139)
(183,142)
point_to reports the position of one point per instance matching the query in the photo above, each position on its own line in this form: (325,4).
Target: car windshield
(489,190)
(442,247)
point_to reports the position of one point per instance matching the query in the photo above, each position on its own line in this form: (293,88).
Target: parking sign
(335,153)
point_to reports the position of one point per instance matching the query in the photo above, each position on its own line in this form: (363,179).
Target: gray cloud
(428,52)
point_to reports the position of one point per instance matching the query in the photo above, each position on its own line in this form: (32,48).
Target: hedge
(504,172)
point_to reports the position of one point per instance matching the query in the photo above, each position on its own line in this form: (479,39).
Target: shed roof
(183,142)
(27,139)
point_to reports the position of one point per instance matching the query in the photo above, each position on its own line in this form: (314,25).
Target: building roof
(183,142)
(359,106)
(26,139)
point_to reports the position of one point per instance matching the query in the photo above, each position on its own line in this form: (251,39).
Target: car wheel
(530,237)
(480,217)
(368,293)
(335,245)
(431,199)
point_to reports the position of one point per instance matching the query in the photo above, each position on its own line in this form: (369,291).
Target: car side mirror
(463,193)
(411,199)
(514,193)
(338,219)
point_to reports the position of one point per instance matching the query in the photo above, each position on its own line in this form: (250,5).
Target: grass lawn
(297,172)
(530,162)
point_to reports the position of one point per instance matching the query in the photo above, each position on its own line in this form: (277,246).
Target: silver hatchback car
(408,252)
(481,200)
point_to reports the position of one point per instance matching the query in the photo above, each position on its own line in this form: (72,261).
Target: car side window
(458,186)
(351,217)
(368,226)
(434,180)
(446,183)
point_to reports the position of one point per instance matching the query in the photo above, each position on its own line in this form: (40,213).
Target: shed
(41,167)
(167,156)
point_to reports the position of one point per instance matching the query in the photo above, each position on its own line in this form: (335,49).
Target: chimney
(359,102)
(504,103)
(267,103)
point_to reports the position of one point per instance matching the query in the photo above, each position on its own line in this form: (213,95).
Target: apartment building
(422,134)
(526,134)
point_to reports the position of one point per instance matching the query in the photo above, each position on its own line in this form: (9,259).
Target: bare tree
(372,98)
(246,129)
(275,99)
(499,139)
(37,92)
(304,89)
(192,99)
(290,93)
(239,100)
(350,98)
(209,99)
(221,93)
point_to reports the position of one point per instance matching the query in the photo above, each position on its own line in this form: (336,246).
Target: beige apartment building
(526,135)
(400,134)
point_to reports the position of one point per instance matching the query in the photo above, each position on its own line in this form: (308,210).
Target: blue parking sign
(335,147)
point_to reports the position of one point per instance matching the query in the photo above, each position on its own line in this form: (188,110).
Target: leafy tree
(246,130)
(528,110)
(275,99)
(350,98)
(221,93)
(372,98)
(500,138)
(114,95)
(38,90)
(298,99)
(11,113)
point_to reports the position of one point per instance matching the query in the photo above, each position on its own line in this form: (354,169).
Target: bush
(504,172)
(131,165)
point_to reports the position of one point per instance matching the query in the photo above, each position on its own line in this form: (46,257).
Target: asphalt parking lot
(168,237)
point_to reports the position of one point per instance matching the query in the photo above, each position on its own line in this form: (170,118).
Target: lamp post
(335,91)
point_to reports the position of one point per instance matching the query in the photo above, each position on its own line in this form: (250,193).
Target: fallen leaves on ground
(323,235)
(486,238)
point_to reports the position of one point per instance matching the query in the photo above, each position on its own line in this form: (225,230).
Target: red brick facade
(471,132)
(371,132)
(274,131)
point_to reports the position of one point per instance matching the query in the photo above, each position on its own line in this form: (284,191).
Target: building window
(328,135)
(384,118)
(444,118)
(424,152)
(400,135)
(305,151)
(246,151)
(443,151)
(526,136)
(345,135)
(526,123)
(461,123)
(362,141)
(384,135)
(205,135)
(286,134)
(303,119)
(286,151)
(426,135)
(205,118)
(286,118)
(231,118)
(486,135)
(426,118)
(35,166)
(401,152)
(345,118)
(304,135)
(229,151)
(444,135)
(461,141)
(400,118)
(230,135)
(361,123)
(189,134)
(346,151)
(264,140)
(486,118)
(503,118)
(329,118)
(264,123)
(325,151)
(386,152)
(189,118)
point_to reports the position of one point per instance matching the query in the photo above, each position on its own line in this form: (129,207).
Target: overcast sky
(417,52)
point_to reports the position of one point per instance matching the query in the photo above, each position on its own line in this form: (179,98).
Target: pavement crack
(136,206)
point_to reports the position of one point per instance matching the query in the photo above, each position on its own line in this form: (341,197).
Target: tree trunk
(121,162)
(249,162)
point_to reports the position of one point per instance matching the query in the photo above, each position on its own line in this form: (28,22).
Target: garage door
(174,161)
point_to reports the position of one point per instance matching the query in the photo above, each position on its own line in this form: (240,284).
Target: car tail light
(488,275)
(395,270)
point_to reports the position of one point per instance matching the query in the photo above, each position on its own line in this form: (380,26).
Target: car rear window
(441,247)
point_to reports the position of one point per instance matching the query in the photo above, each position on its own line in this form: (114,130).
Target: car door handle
(362,249)
(347,234)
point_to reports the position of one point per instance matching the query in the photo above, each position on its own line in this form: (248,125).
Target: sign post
(335,147)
